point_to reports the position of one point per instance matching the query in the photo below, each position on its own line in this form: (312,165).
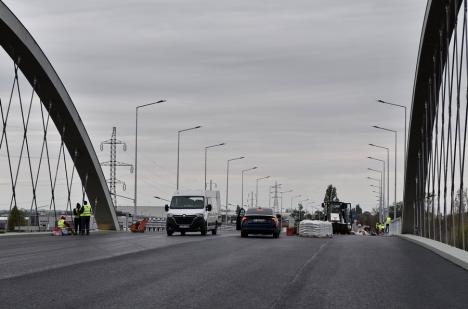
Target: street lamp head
(211,146)
(160,101)
(238,158)
(192,128)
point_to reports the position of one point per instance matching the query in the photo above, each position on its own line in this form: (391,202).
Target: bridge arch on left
(76,158)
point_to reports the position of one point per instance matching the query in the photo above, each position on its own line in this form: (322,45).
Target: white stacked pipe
(315,228)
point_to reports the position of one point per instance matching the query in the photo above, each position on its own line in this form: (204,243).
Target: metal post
(227,183)
(395,207)
(178,151)
(206,158)
(206,152)
(178,158)
(242,189)
(227,190)
(256,191)
(136,154)
(404,155)
(136,166)
(256,194)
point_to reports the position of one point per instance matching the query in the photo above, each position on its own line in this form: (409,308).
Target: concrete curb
(454,255)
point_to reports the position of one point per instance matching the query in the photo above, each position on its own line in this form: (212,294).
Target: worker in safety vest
(387,224)
(85,216)
(61,222)
(76,217)
(63,225)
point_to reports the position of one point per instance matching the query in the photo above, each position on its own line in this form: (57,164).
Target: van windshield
(187,202)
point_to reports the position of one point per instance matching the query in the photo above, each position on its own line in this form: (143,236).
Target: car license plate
(259,220)
(184,226)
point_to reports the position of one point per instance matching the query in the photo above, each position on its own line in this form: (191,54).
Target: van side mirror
(209,207)
(166,207)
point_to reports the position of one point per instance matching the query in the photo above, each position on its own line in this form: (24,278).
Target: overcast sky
(290,85)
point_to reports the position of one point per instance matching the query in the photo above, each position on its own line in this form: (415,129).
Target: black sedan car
(260,221)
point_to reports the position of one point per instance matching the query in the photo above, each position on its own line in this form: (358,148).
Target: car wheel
(169,233)
(275,235)
(182,233)
(244,234)
(215,230)
(204,230)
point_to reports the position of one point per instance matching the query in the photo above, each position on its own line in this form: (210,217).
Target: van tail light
(244,219)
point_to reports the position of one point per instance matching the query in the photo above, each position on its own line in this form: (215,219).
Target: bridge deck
(119,270)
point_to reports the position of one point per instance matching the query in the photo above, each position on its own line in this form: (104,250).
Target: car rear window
(259,211)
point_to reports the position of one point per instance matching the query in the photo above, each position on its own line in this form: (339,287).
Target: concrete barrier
(453,254)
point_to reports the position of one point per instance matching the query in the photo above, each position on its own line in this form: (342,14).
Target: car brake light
(244,219)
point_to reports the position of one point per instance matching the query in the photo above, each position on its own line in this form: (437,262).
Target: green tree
(358,209)
(15,218)
(331,195)
(319,215)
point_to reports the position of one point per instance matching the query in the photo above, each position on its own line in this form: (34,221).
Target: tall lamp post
(242,190)
(256,189)
(206,156)
(395,132)
(385,193)
(136,154)
(388,171)
(178,150)
(380,190)
(382,179)
(227,184)
(294,197)
(283,192)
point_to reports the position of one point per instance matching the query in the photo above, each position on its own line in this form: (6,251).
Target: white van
(193,211)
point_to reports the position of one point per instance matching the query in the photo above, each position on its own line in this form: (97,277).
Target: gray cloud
(290,85)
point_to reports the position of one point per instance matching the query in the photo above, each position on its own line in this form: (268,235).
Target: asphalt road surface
(121,270)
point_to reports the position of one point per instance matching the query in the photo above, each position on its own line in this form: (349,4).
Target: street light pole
(383,183)
(292,198)
(405,154)
(388,171)
(382,179)
(242,190)
(178,150)
(206,157)
(227,184)
(395,132)
(256,189)
(380,190)
(281,212)
(136,154)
